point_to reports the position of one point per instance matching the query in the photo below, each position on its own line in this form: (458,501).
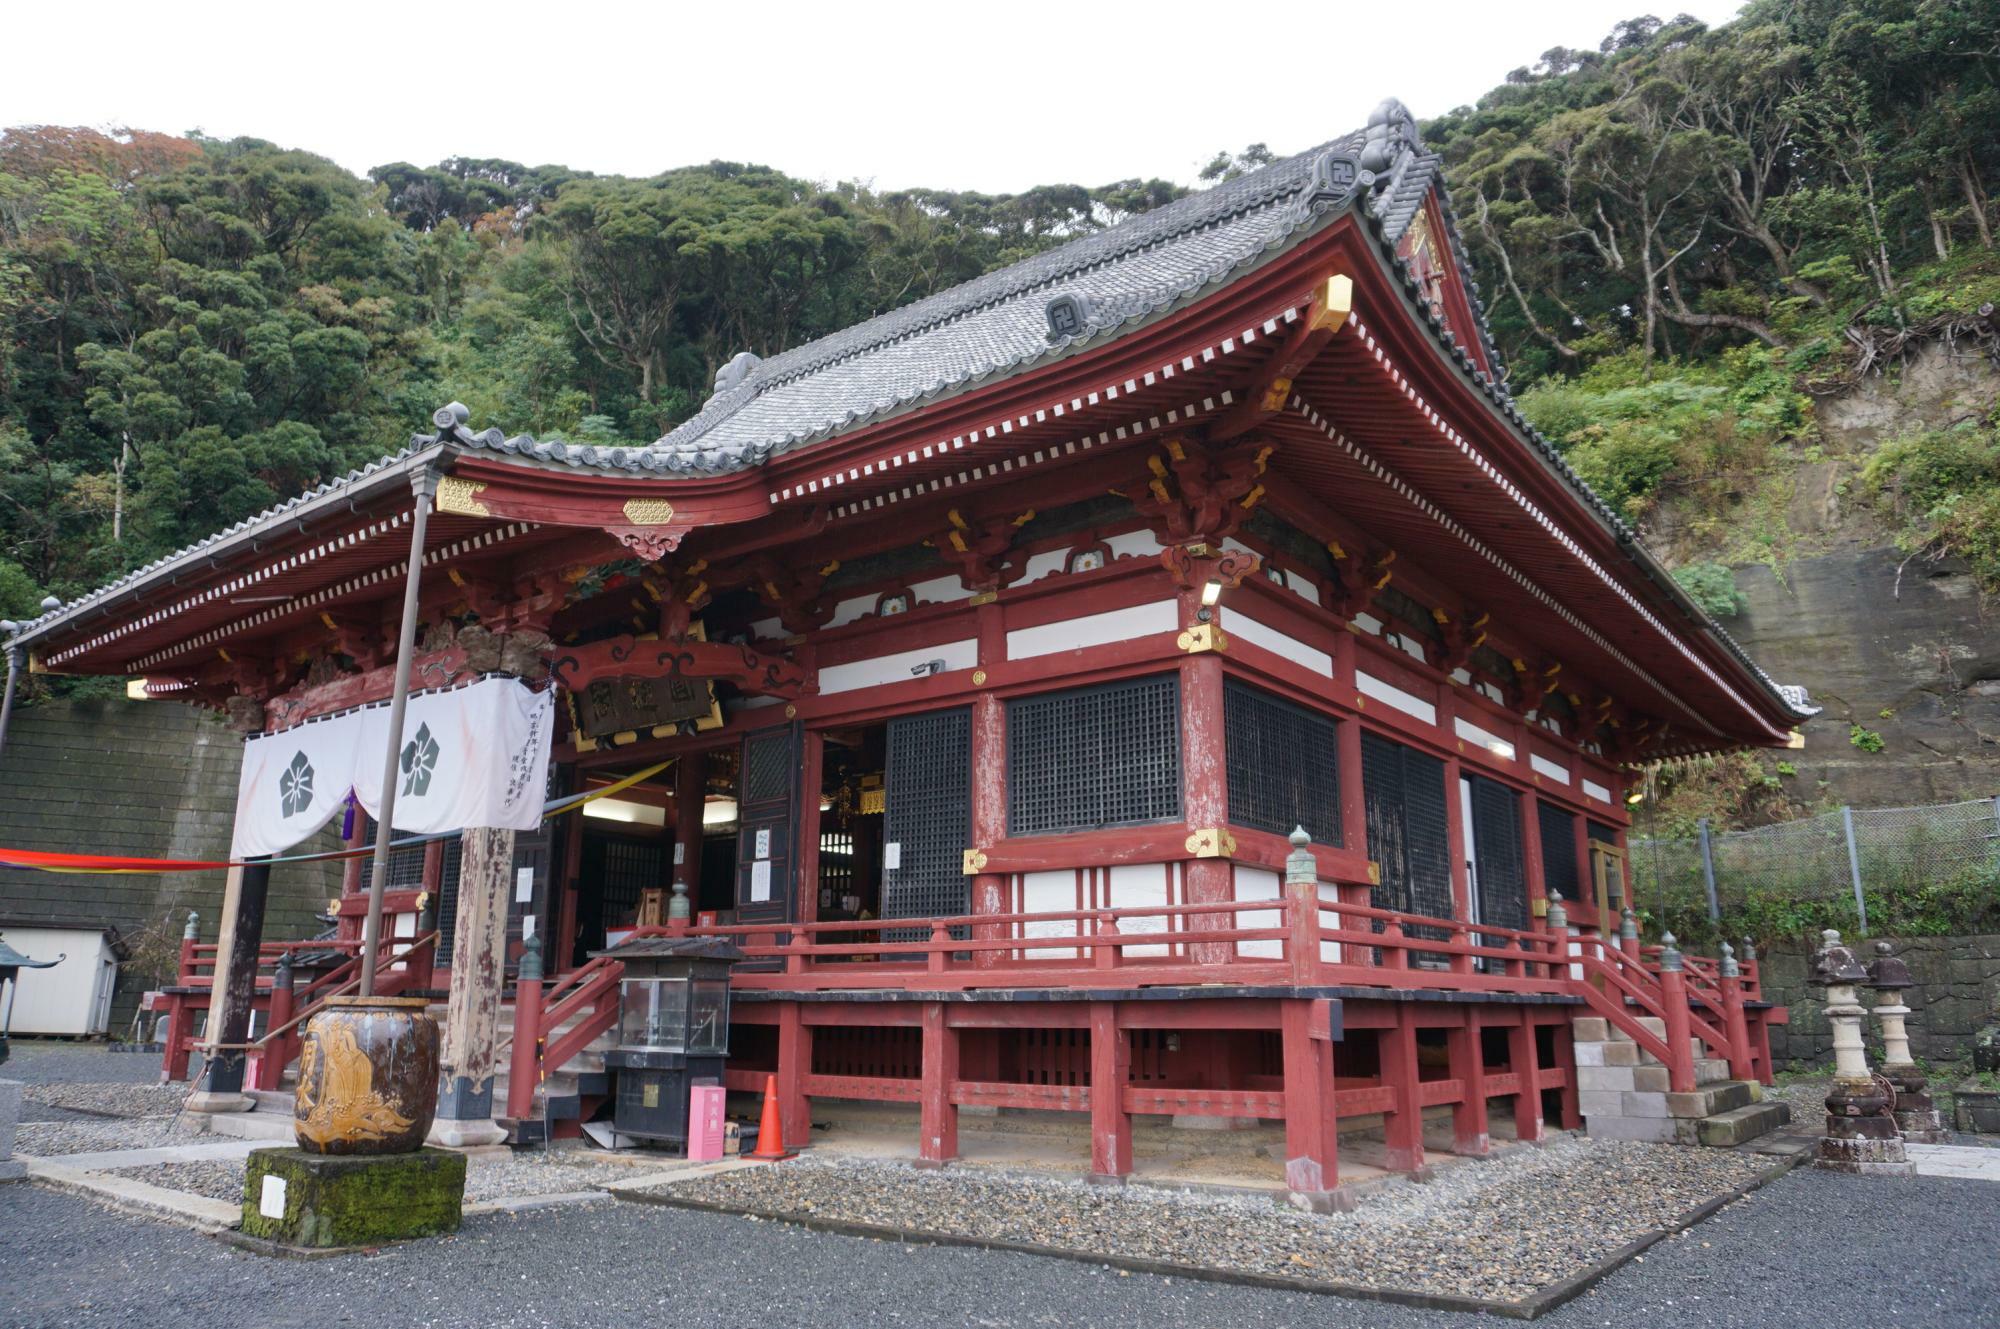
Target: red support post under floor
(1468,1067)
(938,1143)
(794,1063)
(1525,1062)
(1403,1126)
(1110,1068)
(1312,1127)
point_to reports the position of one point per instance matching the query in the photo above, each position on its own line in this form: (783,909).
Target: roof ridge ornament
(1069,315)
(733,375)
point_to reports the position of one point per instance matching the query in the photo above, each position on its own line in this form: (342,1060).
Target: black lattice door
(1500,879)
(767,816)
(1403,793)
(927,824)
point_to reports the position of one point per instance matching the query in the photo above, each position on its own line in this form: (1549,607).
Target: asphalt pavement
(1811,1249)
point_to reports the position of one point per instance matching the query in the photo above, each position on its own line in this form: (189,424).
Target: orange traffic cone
(770,1130)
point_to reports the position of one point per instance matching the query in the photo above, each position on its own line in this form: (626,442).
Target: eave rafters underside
(1354,418)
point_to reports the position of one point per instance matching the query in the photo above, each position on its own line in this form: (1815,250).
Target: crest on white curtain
(471,756)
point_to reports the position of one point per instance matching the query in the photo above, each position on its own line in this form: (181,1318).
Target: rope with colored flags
(112,864)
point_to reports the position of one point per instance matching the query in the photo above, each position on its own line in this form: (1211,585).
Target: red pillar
(1680,1063)
(1312,1130)
(524,1065)
(938,1144)
(690,793)
(1524,1060)
(1110,1068)
(1403,1130)
(989,811)
(794,1063)
(1737,1028)
(1205,782)
(1468,1067)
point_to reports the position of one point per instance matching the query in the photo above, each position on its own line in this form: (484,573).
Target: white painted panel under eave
(1391,695)
(1093,630)
(880,669)
(939,591)
(1592,789)
(1258,884)
(1133,544)
(1485,738)
(1302,585)
(1239,624)
(1546,767)
(1045,564)
(848,610)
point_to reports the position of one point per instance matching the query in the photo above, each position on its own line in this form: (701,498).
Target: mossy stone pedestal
(316,1202)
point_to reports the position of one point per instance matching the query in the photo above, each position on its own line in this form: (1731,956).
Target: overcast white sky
(990,96)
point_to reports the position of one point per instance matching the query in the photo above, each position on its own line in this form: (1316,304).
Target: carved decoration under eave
(797,595)
(649,544)
(1194,566)
(460,496)
(1462,636)
(1357,577)
(982,549)
(1191,494)
(576,667)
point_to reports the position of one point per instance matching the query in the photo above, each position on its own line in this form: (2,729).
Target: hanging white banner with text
(471,756)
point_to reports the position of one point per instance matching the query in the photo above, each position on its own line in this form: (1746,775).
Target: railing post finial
(1558,916)
(1749,950)
(1670,958)
(193,928)
(1726,967)
(281,976)
(531,959)
(1300,868)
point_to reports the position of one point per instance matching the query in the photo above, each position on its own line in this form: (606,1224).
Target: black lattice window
(447,911)
(927,820)
(1408,835)
(767,767)
(1559,870)
(1095,757)
(1284,764)
(1501,880)
(630,866)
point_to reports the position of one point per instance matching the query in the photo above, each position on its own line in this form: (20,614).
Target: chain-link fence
(1843,859)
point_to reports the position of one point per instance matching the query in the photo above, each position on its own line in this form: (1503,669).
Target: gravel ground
(110,1100)
(1910,1255)
(1499,1229)
(47,1061)
(48,1139)
(487,1178)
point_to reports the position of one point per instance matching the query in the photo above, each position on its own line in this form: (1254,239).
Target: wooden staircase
(564,1099)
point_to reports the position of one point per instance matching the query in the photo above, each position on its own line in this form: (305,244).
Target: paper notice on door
(527,926)
(764,842)
(760,881)
(524,885)
(892,855)
(680,853)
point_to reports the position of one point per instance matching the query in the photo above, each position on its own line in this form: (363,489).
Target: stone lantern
(1861,1134)
(1916,1114)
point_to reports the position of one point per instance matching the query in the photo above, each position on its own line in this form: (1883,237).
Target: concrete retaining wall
(151,779)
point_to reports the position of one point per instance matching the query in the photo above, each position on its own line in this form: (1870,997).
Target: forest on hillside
(1679,235)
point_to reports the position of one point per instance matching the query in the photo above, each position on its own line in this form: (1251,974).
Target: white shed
(72,997)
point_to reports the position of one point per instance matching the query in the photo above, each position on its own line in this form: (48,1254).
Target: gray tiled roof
(995,324)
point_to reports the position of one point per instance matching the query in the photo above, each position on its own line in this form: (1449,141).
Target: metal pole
(1708,872)
(1854,867)
(424,486)
(7,699)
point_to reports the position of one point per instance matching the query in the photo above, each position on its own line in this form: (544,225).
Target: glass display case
(673,1031)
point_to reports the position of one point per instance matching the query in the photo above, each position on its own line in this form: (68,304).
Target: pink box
(705,1122)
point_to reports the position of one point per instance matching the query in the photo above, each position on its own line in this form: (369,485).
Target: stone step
(1725,1130)
(1710,1070)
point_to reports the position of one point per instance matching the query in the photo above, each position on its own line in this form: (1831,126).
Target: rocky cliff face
(1902,646)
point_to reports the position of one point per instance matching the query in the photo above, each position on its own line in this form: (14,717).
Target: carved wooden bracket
(577,667)
(1462,636)
(982,549)
(1357,577)
(1190,495)
(649,544)
(1194,566)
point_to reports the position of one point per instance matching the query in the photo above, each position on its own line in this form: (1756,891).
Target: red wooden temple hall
(993,648)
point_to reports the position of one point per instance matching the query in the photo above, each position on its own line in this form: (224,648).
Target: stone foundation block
(1653,1079)
(320,1201)
(1594,1103)
(1590,1028)
(1624,1054)
(1591,1054)
(1654,1130)
(1741,1125)
(1605,1077)
(1638,1104)
(1653,1025)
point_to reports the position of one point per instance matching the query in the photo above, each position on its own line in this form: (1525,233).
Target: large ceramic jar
(368,1076)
